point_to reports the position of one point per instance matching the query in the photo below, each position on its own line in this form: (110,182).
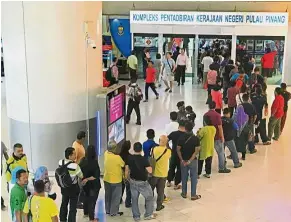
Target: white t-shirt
(171,127)
(206,61)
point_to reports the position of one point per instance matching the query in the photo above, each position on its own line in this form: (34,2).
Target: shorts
(168,77)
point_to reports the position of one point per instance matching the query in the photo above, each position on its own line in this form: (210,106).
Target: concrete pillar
(160,44)
(287,58)
(51,75)
(233,47)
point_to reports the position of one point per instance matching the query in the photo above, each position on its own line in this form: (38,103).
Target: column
(233,47)
(196,51)
(287,58)
(52,76)
(160,44)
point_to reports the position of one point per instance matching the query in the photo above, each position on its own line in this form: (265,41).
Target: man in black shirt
(188,148)
(287,96)
(226,78)
(259,101)
(136,171)
(174,161)
(252,113)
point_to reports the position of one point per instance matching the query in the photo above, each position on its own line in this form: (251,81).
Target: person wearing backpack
(38,207)
(67,176)
(112,73)
(135,96)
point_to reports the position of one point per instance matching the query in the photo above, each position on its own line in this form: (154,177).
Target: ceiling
(124,7)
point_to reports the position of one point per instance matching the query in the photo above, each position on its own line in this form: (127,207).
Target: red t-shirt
(150,75)
(277,108)
(215,119)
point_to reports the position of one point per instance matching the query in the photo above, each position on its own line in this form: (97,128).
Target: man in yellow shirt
(42,208)
(78,145)
(113,176)
(132,65)
(162,155)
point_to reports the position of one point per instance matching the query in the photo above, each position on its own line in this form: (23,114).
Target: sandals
(197,197)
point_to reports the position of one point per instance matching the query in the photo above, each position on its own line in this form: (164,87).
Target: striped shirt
(74,170)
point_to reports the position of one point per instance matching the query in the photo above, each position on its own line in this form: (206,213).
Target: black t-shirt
(249,109)
(137,165)
(286,95)
(188,143)
(227,70)
(259,101)
(174,137)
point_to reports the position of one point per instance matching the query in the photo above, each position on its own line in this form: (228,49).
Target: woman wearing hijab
(90,168)
(241,119)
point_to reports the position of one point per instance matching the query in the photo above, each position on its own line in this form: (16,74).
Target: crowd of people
(235,119)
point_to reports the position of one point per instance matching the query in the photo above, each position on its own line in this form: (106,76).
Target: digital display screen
(115,108)
(116,131)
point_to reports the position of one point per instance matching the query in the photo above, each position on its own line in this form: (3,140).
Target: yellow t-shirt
(162,166)
(80,151)
(132,62)
(42,209)
(113,165)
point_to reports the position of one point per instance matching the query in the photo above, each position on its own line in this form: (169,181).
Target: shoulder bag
(154,161)
(172,73)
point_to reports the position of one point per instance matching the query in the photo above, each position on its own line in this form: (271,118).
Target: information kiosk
(110,119)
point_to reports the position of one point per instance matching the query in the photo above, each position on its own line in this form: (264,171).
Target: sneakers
(225,171)
(152,217)
(160,208)
(170,91)
(167,89)
(276,139)
(253,151)
(138,123)
(206,175)
(267,143)
(184,195)
(238,165)
(157,96)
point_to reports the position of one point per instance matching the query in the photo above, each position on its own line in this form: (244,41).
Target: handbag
(153,161)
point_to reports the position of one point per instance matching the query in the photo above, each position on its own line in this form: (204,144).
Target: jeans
(208,163)
(274,126)
(218,145)
(64,208)
(193,169)
(153,87)
(159,183)
(112,197)
(232,148)
(90,202)
(126,186)
(143,188)
(174,170)
(133,105)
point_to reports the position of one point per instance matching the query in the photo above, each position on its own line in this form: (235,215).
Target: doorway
(187,42)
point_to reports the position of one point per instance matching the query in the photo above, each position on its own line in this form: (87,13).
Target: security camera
(91,42)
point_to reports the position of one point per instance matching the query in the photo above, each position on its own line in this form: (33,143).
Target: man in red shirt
(268,63)
(150,81)
(277,112)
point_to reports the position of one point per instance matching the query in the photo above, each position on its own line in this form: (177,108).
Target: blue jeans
(193,169)
(143,188)
(232,148)
(219,147)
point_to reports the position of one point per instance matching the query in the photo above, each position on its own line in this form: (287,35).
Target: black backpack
(108,75)
(63,176)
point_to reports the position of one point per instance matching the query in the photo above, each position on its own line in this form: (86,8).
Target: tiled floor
(259,191)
